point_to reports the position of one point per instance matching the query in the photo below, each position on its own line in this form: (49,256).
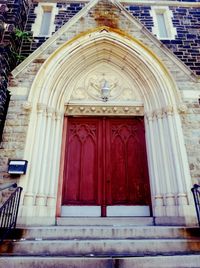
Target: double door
(105,172)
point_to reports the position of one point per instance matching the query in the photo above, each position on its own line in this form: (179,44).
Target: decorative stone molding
(27,105)
(149,116)
(182,108)
(40,200)
(51,201)
(119,87)
(50,111)
(28,199)
(168,110)
(59,115)
(41,107)
(114,110)
(182,199)
(158,113)
(170,199)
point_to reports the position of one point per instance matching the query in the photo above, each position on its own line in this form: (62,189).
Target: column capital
(168,110)
(50,111)
(41,107)
(182,108)
(149,116)
(158,113)
(59,115)
(27,105)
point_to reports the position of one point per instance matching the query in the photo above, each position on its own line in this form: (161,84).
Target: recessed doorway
(105,168)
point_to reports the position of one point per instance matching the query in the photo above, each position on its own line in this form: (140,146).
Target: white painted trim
(168,15)
(81,211)
(39,10)
(128,211)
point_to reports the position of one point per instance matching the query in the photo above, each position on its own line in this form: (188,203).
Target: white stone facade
(58,79)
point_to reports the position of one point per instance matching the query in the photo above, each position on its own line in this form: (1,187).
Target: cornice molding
(104,110)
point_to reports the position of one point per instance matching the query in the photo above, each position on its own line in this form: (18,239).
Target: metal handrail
(196,194)
(9,211)
(7,186)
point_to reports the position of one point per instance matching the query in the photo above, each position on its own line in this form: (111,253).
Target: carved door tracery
(105,163)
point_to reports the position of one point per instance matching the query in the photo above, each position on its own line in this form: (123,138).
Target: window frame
(39,11)
(168,15)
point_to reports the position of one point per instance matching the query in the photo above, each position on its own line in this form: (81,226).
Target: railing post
(196,194)
(17,207)
(9,211)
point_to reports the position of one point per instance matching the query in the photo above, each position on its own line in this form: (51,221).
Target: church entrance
(105,169)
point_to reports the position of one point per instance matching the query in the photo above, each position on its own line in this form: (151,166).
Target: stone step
(97,248)
(99,221)
(182,261)
(104,232)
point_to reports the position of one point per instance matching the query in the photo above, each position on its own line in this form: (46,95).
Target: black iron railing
(9,210)
(196,194)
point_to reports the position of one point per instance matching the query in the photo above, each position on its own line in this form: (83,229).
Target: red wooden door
(82,172)
(105,163)
(126,163)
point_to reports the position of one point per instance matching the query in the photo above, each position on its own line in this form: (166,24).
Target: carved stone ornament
(92,86)
(27,105)
(182,108)
(100,110)
(41,107)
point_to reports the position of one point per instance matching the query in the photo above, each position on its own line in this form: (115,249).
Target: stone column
(54,169)
(41,196)
(33,178)
(166,180)
(157,197)
(50,199)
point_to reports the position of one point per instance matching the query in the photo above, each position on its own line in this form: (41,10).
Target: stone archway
(153,87)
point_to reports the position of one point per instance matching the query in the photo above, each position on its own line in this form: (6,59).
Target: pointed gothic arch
(51,90)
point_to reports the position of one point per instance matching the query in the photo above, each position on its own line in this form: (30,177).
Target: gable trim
(84,11)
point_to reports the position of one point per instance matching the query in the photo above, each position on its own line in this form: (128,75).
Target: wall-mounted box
(17,167)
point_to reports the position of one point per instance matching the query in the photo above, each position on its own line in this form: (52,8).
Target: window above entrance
(163,26)
(44,23)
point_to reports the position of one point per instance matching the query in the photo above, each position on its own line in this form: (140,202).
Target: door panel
(81,171)
(127,163)
(106,165)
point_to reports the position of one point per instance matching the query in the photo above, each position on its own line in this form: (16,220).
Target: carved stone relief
(106,110)
(105,83)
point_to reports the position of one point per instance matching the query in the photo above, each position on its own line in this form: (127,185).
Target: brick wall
(186,45)
(142,13)
(66,12)
(13,14)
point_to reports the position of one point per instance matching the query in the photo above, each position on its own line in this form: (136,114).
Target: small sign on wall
(17,167)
